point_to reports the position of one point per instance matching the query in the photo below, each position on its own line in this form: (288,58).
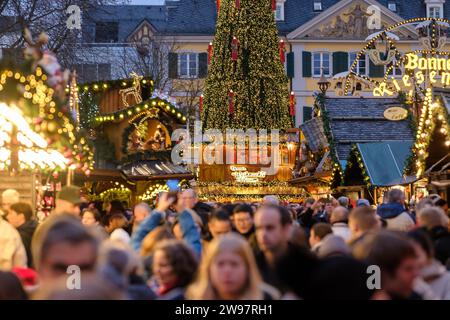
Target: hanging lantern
(292,104)
(234,49)
(210,49)
(282,50)
(231,101)
(201,103)
(238,4)
(274,5)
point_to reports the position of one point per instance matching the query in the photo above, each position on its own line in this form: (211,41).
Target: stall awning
(385,162)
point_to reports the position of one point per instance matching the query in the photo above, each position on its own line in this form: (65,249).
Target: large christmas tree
(246,85)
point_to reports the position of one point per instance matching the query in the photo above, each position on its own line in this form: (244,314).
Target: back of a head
(339,214)
(424,203)
(364,218)
(271,199)
(395,195)
(343,201)
(321,230)
(11,196)
(56,230)
(23,208)
(153,238)
(310,201)
(220,215)
(430,217)
(386,249)
(11,287)
(333,245)
(423,239)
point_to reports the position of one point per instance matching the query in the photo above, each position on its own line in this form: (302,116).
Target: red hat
(27,276)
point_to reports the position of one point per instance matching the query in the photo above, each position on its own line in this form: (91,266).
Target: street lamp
(323,83)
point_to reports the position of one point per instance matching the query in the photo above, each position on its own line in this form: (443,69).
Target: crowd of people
(186,249)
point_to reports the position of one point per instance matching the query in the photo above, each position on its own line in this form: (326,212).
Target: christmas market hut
(430,157)
(131,126)
(368,141)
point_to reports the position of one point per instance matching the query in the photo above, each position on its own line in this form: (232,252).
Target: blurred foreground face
(270,234)
(140,213)
(64,254)
(228,274)
(63,206)
(15,219)
(401,283)
(89,219)
(243,222)
(163,269)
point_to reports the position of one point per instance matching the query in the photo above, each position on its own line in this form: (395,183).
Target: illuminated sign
(242,175)
(395,114)
(436,70)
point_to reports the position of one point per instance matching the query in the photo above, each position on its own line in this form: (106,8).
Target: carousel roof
(154,169)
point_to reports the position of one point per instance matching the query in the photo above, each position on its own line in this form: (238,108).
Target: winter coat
(396,216)
(26,232)
(438,278)
(12,251)
(341,229)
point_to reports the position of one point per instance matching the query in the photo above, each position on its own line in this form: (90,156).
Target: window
(106,32)
(93,72)
(321,60)
(279,13)
(396,71)
(434,12)
(188,65)
(361,68)
(392,6)
(317,5)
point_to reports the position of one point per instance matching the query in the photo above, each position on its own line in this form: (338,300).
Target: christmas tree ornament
(282,50)
(210,51)
(274,5)
(201,103)
(234,49)
(231,102)
(238,4)
(292,104)
(218,5)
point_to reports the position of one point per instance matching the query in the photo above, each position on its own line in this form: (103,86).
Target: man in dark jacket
(20,216)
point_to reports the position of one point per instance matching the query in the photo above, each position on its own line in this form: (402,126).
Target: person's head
(328,206)
(115,206)
(189,198)
(19,213)
(219,223)
(362,220)
(174,264)
(243,218)
(424,203)
(227,271)
(271,199)
(362,203)
(396,257)
(9,197)
(10,287)
(318,232)
(273,225)
(60,242)
(423,245)
(140,212)
(339,214)
(441,203)
(309,202)
(68,201)
(116,221)
(153,238)
(396,196)
(90,217)
(430,217)
(333,245)
(343,201)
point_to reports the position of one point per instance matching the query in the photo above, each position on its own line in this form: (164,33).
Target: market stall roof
(361,120)
(385,162)
(154,169)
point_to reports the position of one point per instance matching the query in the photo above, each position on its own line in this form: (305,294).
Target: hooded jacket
(438,278)
(396,216)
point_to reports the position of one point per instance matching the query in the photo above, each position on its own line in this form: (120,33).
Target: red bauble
(292,104)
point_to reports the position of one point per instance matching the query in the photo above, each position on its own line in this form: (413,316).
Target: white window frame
(394,6)
(280,5)
(435,6)
(314,5)
(189,75)
(330,63)
(350,62)
(394,70)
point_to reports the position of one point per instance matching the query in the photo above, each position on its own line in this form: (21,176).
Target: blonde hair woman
(228,272)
